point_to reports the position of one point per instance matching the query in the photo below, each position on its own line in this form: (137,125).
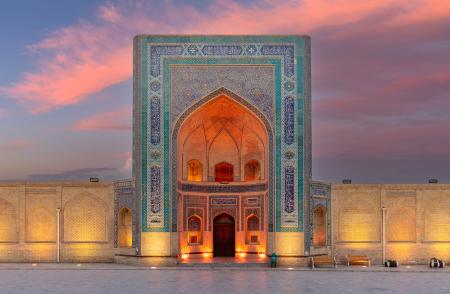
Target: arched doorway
(224,230)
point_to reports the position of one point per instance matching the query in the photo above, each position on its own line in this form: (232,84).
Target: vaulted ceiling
(223,114)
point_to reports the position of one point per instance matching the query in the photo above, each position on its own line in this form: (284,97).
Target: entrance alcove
(224,235)
(222,165)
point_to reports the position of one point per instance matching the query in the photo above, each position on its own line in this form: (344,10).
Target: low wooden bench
(358,260)
(323,260)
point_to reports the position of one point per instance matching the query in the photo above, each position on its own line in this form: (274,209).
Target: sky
(380,82)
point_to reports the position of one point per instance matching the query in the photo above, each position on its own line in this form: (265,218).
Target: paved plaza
(112,278)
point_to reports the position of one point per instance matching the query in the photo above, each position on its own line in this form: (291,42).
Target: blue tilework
(252,48)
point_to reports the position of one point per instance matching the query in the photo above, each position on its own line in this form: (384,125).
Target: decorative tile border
(190,187)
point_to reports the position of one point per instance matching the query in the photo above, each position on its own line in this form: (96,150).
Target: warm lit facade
(222,167)
(221,144)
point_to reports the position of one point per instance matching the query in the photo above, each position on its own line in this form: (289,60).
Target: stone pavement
(206,267)
(113,278)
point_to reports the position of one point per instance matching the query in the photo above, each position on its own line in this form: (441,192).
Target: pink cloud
(2,112)
(109,13)
(118,120)
(89,56)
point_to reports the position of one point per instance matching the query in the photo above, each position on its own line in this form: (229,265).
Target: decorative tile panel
(289,121)
(155,121)
(266,75)
(289,204)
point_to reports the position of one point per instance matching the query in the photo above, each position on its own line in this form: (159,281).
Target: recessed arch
(252,228)
(252,170)
(267,169)
(320,226)
(223,172)
(84,219)
(194,170)
(224,235)
(125,228)
(195,230)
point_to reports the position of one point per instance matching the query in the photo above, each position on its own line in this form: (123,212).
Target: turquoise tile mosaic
(265,74)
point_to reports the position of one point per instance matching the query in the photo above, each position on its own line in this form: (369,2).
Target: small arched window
(223,172)
(252,171)
(194,230)
(194,170)
(320,226)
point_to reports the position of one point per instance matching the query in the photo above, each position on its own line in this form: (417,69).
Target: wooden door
(224,235)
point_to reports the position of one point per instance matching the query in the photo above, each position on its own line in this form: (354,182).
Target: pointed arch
(320,226)
(84,219)
(125,228)
(254,112)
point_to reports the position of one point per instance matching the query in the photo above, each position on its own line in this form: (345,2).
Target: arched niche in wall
(194,170)
(224,172)
(84,219)
(252,170)
(41,225)
(320,226)
(194,230)
(125,228)
(253,149)
(193,152)
(252,230)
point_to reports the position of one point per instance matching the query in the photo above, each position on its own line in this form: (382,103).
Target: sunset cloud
(89,56)
(380,71)
(118,120)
